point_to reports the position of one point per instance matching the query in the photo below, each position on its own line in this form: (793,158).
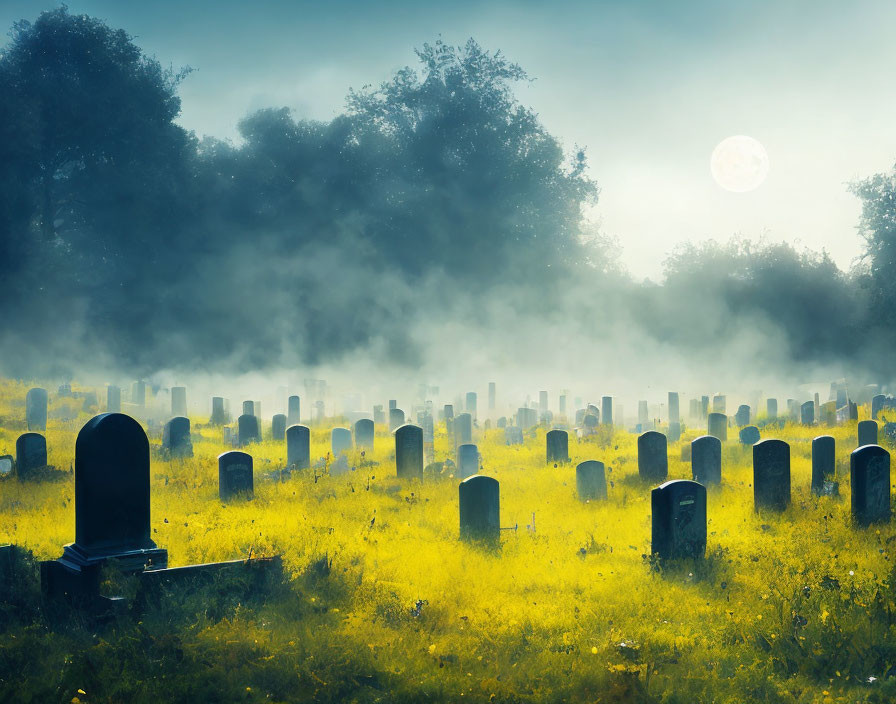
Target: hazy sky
(648,87)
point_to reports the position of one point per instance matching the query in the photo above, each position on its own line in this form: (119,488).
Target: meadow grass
(383,603)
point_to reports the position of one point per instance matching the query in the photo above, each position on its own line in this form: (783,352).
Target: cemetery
(617,565)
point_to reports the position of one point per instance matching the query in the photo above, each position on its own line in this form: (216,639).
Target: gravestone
(678,520)
(771,408)
(877,403)
(178,400)
(557,446)
(219,414)
(463,429)
(298,447)
(113,399)
(749,435)
(889,431)
(31,454)
(869,480)
(396,418)
(513,435)
(807,413)
(706,460)
(248,408)
(823,463)
(867,432)
(393,404)
(278,427)
(580,417)
(771,475)
(719,404)
(409,452)
(480,514)
(526,418)
(429,430)
(112,514)
(606,410)
(673,408)
(742,417)
(842,398)
(653,461)
(827,413)
(704,407)
(717,426)
(364,434)
(340,441)
(7,464)
(590,422)
(502,423)
(467,461)
(591,481)
(471,404)
(235,477)
(694,408)
(176,437)
(379,415)
(36,409)
(674,431)
(293,410)
(247,429)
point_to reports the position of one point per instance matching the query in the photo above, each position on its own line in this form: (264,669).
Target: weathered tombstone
(248,408)
(674,431)
(235,476)
(227,435)
(749,435)
(36,409)
(364,434)
(526,418)
(704,406)
(889,431)
(673,408)
(429,429)
(396,418)
(719,404)
(557,446)
(678,529)
(823,463)
(248,430)
(298,447)
(409,452)
(807,413)
(606,409)
(513,435)
(694,408)
(219,414)
(467,461)
(7,464)
(771,408)
(706,459)
(853,410)
(742,417)
(340,441)
(869,480)
(653,461)
(179,400)
(463,429)
(877,403)
(176,437)
(111,501)
(278,427)
(591,480)
(31,454)
(113,399)
(827,413)
(867,432)
(771,475)
(293,410)
(717,425)
(471,403)
(590,422)
(480,515)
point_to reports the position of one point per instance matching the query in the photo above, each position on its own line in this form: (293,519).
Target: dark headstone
(706,459)
(807,413)
(742,417)
(31,454)
(823,462)
(749,435)
(653,460)
(591,480)
(771,408)
(480,514)
(429,429)
(717,426)
(364,434)
(36,409)
(590,422)
(771,475)
(278,427)
(235,475)
(606,409)
(467,461)
(176,437)
(298,447)
(219,414)
(248,430)
(293,410)
(867,432)
(463,429)
(678,510)
(526,418)
(877,403)
(557,446)
(178,400)
(409,452)
(674,431)
(673,408)
(869,480)
(340,441)
(704,406)
(113,399)
(396,418)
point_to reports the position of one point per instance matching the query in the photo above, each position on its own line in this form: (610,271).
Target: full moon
(739,164)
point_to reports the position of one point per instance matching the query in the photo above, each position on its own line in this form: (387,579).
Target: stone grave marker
(36,409)
(557,446)
(653,460)
(7,464)
(278,427)
(235,476)
(771,408)
(409,452)
(480,515)
(396,418)
(340,441)
(463,429)
(719,404)
(248,408)
(678,518)
(869,480)
(771,475)
(364,434)
(606,410)
(673,408)
(113,399)
(742,417)
(717,425)
(247,429)
(31,454)
(877,403)
(471,404)
(749,435)
(293,410)
(823,465)
(591,481)
(467,461)
(867,432)
(807,413)
(706,460)
(298,447)
(219,414)
(176,437)
(674,431)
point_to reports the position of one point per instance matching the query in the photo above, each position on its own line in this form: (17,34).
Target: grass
(383,603)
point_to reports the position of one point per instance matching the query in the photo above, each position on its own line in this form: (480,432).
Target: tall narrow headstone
(396,418)
(467,461)
(178,400)
(364,434)
(293,410)
(877,403)
(606,409)
(463,429)
(653,459)
(235,476)
(823,462)
(678,518)
(591,481)
(248,430)
(771,475)
(717,426)
(471,404)
(704,407)
(771,408)
(557,446)
(138,394)
(749,435)
(36,409)
(409,452)
(480,514)
(113,399)
(807,413)
(176,437)
(31,454)
(867,432)
(706,460)
(278,427)
(673,408)
(219,414)
(869,480)
(298,447)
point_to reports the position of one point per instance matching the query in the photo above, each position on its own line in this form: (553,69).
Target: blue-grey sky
(648,87)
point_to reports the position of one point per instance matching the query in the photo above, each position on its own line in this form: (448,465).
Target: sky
(648,88)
